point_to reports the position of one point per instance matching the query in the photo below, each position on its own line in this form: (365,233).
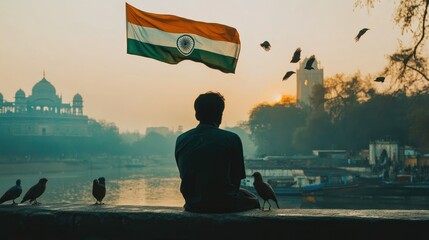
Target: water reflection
(146,192)
(125,186)
(159,186)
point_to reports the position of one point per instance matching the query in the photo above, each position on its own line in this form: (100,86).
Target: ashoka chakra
(185,44)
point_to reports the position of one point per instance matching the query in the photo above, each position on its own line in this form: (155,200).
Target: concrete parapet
(70,221)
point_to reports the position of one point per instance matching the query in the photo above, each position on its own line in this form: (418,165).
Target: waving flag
(172,39)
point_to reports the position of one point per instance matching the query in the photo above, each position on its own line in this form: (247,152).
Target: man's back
(211,165)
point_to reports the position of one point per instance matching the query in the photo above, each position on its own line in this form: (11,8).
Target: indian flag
(172,39)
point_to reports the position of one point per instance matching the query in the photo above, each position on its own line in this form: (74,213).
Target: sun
(277,97)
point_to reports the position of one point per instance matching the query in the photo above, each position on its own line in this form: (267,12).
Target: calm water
(159,186)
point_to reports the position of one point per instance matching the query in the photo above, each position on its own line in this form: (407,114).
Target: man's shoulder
(230,136)
(185,134)
(216,131)
(228,133)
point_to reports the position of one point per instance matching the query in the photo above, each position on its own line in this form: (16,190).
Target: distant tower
(77,104)
(305,80)
(20,101)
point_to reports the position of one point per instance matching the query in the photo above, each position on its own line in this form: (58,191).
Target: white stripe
(157,37)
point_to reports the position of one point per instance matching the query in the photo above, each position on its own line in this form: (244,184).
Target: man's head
(209,107)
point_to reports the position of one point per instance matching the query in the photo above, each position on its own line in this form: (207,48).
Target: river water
(159,186)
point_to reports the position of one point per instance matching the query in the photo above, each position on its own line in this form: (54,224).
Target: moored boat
(286,186)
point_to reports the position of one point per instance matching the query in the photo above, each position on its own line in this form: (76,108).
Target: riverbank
(47,165)
(71,221)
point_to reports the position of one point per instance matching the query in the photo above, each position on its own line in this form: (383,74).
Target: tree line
(346,113)
(104,139)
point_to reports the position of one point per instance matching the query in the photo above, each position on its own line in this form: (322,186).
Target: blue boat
(282,186)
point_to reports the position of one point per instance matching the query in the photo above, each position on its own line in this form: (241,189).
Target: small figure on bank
(211,162)
(13,193)
(35,191)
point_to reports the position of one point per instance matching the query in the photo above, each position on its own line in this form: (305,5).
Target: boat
(374,179)
(286,186)
(313,181)
(401,185)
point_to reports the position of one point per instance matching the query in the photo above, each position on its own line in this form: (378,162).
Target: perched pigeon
(309,63)
(296,56)
(266,46)
(13,193)
(379,79)
(361,32)
(35,191)
(99,189)
(264,190)
(288,74)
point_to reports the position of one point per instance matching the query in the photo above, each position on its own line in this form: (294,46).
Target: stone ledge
(70,221)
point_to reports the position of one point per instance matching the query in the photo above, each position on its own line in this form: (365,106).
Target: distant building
(42,113)
(164,131)
(381,151)
(410,152)
(306,79)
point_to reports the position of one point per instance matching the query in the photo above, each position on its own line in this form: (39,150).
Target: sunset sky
(81,45)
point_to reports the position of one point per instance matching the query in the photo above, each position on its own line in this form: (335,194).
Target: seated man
(210,162)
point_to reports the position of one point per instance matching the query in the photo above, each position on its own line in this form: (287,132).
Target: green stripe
(173,56)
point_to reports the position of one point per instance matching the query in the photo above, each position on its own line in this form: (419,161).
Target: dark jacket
(211,166)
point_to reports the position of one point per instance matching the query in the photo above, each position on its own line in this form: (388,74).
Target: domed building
(42,113)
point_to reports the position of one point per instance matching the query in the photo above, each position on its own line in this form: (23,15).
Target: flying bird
(264,190)
(310,62)
(13,193)
(361,32)
(266,46)
(35,191)
(99,189)
(379,79)
(288,74)
(296,56)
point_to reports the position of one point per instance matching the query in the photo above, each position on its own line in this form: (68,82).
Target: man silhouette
(211,163)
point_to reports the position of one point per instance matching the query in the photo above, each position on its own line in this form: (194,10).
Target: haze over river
(155,185)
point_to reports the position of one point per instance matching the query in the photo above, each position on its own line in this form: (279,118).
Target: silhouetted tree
(408,64)
(272,126)
(317,133)
(317,98)
(155,144)
(105,138)
(418,116)
(355,114)
(343,92)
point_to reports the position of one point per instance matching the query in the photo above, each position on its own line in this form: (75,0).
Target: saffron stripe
(175,24)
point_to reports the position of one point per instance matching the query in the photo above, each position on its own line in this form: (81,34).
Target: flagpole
(126,26)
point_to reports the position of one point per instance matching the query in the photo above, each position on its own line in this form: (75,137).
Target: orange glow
(310,199)
(146,193)
(288,99)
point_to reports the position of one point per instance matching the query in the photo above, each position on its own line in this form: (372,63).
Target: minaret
(305,80)
(77,104)
(20,101)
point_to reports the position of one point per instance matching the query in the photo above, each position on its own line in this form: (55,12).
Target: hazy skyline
(81,45)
